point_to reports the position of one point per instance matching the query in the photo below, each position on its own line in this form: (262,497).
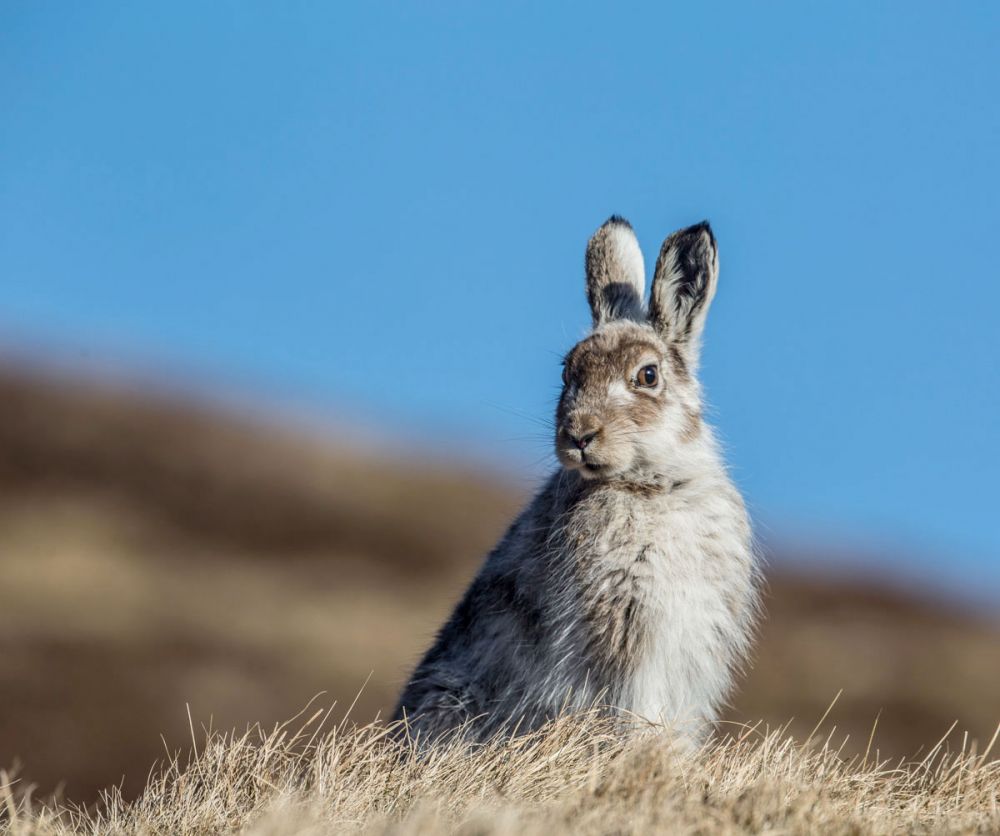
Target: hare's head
(630,405)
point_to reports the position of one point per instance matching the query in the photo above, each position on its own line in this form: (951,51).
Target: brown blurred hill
(156,553)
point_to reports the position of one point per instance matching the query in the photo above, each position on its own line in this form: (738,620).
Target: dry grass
(576,776)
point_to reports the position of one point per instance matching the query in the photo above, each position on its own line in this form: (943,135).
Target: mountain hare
(629,582)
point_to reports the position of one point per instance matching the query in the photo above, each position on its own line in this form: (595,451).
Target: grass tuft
(575,776)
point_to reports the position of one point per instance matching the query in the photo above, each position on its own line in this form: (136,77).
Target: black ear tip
(704,228)
(617,220)
(693,236)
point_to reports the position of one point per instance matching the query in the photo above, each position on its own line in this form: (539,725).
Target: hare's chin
(589,470)
(572,460)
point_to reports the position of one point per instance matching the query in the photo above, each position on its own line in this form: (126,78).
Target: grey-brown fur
(630,580)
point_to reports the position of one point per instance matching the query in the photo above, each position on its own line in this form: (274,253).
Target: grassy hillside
(575,777)
(156,554)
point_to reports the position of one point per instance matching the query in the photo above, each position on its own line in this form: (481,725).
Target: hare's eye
(647,376)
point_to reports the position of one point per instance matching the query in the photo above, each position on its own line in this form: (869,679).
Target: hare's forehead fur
(614,350)
(602,363)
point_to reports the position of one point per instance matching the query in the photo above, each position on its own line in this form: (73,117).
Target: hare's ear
(684,282)
(616,276)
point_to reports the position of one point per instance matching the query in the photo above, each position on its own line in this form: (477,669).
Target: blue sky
(383,208)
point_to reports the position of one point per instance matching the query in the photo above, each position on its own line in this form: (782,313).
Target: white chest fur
(695,574)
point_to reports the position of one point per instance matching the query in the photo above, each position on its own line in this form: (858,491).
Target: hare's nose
(582,440)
